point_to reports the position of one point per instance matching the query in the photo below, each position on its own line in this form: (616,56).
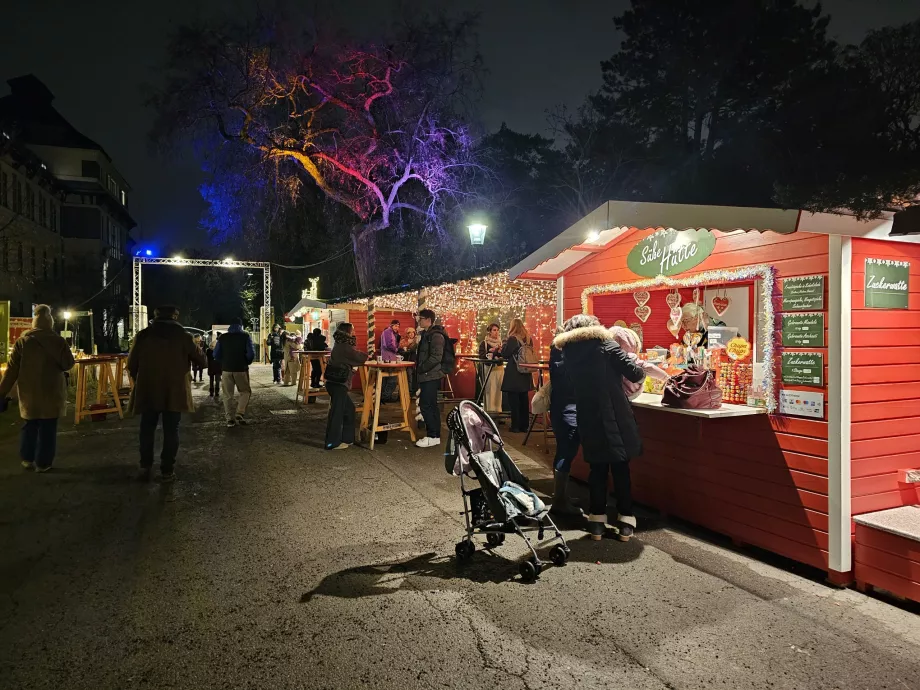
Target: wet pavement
(271,563)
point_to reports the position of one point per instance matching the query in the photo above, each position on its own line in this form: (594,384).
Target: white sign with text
(801,403)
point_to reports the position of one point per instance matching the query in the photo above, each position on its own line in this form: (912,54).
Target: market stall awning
(605,225)
(303,306)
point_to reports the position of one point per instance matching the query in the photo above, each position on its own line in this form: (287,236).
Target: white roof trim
(614,218)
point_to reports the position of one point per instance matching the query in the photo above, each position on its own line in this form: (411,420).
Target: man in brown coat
(38,362)
(159,366)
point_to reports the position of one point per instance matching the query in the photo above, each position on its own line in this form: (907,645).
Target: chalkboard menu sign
(887,284)
(803,330)
(803,368)
(805,293)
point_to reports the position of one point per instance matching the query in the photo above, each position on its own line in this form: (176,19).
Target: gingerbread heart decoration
(720,304)
(673,300)
(637,327)
(643,311)
(674,328)
(642,297)
(677,314)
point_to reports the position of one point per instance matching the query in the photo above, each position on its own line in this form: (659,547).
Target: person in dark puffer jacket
(340,424)
(595,366)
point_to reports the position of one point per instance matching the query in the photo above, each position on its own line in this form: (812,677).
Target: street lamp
(66,316)
(477,234)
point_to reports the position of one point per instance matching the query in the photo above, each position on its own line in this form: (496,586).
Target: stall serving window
(720,320)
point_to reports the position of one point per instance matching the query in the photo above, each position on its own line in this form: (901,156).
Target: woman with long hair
(517,382)
(491,349)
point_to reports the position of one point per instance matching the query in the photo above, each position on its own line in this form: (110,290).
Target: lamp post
(477,237)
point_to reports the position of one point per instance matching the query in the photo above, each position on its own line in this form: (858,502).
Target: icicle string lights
(486,292)
(763,272)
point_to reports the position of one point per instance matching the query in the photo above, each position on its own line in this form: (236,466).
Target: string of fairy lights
(492,291)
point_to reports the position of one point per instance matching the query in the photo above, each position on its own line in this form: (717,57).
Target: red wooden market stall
(465,308)
(821,317)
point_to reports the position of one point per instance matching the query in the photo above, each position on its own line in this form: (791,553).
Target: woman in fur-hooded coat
(595,367)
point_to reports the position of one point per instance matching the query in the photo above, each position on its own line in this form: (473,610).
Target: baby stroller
(503,503)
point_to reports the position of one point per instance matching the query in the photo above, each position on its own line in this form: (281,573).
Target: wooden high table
(538,369)
(377,373)
(307,357)
(106,386)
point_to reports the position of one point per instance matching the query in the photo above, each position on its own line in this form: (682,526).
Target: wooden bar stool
(124,382)
(304,393)
(106,387)
(377,373)
(362,371)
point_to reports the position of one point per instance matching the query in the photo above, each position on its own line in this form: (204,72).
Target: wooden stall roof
(599,229)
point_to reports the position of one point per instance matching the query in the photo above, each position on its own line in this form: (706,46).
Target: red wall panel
(885,397)
(612,308)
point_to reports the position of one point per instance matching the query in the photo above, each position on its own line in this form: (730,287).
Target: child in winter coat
(629,342)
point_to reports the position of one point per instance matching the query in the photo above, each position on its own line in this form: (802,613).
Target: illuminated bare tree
(375,128)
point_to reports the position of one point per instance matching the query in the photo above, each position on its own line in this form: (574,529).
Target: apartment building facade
(93,215)
(31,245)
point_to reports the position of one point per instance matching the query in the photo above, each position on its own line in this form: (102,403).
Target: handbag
(338,373)
(541,399)
(694,389)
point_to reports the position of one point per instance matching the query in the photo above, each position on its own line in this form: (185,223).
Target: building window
(17,195)
(19,262)
(30,202)
(113,186)
(45,263)
(42,210)
(54,269)
(4,190)
(54,213)
(32,261)
(124,198)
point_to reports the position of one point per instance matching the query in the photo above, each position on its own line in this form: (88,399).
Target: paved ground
(273,564)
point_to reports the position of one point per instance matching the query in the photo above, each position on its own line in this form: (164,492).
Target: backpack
(449,359)
(525,354)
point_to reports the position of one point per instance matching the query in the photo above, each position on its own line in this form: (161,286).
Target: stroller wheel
(529,570)
(464,550)
(559,555)
(495,539)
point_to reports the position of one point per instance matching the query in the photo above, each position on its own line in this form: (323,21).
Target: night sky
(97,57)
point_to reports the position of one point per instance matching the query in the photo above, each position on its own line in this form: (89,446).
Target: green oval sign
(669,252)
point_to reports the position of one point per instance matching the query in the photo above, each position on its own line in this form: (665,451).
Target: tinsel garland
(765,273)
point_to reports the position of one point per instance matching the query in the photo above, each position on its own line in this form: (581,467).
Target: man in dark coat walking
(159,366)
(275,345)
(595,366)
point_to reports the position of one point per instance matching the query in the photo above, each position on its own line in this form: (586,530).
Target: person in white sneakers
(429,372)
